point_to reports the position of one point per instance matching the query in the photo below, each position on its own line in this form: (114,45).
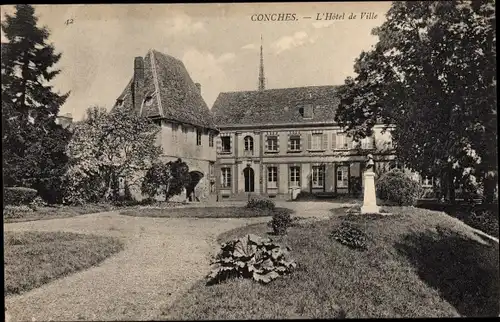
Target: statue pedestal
(369,198)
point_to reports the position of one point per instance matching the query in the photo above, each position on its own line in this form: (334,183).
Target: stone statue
(370,164)
(369,196)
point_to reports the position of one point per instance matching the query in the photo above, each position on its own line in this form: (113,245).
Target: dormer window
(306,111)
(119,102)
(148,100)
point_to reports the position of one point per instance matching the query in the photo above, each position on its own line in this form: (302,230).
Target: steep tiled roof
(173,94)
(276,106)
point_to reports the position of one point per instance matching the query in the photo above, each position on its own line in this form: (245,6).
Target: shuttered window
(272,177)
(318,176)
(226,144)
(226,177)
(210,139)
(272,143)
(294,176)
(318,141)
(294,143)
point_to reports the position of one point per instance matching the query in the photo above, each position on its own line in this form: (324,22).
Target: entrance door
(342,177)
(249,179)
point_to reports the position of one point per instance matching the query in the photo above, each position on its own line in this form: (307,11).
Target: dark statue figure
(370,164)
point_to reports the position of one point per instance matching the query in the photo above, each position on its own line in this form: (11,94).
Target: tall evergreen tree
(33,144)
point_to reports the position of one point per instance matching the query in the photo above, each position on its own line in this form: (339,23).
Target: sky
(218,43)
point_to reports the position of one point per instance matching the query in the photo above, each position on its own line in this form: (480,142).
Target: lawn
(24,213)
(418,263)
(199,212)
(32,259)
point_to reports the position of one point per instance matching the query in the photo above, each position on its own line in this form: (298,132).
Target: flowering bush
(261,203)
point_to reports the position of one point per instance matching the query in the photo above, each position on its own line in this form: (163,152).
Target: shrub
(168,179)
(37,203)
(281,221)
(349,235)
(15,212)
(261,203)
(251,257)
(18,195)
(395,187)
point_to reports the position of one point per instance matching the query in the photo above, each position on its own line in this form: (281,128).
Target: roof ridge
(281,88)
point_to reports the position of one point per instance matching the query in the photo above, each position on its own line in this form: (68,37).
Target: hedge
(18,196)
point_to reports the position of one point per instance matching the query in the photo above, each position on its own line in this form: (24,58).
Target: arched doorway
(194,179)
(249,179)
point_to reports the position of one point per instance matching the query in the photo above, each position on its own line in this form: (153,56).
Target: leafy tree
(106,147)
(33,144)
(432,75)
(167,179)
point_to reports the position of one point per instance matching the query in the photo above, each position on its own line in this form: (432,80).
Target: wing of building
(275,141)
(162,89)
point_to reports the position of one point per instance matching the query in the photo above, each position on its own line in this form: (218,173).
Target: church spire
(262,79)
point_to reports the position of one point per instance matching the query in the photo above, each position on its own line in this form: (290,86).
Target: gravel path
(163,257)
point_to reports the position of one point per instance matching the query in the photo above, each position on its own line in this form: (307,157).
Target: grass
(24,213)
(418,263)
(480,216)
(199,212)
(32,259)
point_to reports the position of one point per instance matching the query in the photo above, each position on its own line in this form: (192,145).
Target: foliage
(281,221)
(38,202)
(18,195)
(106,147)
(168,179)
(432,78)
(33,144)
(396,187)
(349,235)
(15,212)
(251,257)
(261,203)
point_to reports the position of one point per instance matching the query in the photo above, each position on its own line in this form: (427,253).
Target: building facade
(162,90)
(274,141)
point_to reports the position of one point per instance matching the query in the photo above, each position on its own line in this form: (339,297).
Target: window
(211,169)
(226,144)
(427,181)
(316,142)
(318,176)
(210,139)
(185,130)
(272,143)
(342,141)
(295,143)
(294,176)
(272,177)
(248,143)
(367,143)
(148,100)
(342,180)
(308,111)
(226,177)
(198,136)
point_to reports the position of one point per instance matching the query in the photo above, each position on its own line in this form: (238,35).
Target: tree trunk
(489,188)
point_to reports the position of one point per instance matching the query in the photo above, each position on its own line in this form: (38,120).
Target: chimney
(137,86)
(198,85)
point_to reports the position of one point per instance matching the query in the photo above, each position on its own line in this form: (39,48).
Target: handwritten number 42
(68,22)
